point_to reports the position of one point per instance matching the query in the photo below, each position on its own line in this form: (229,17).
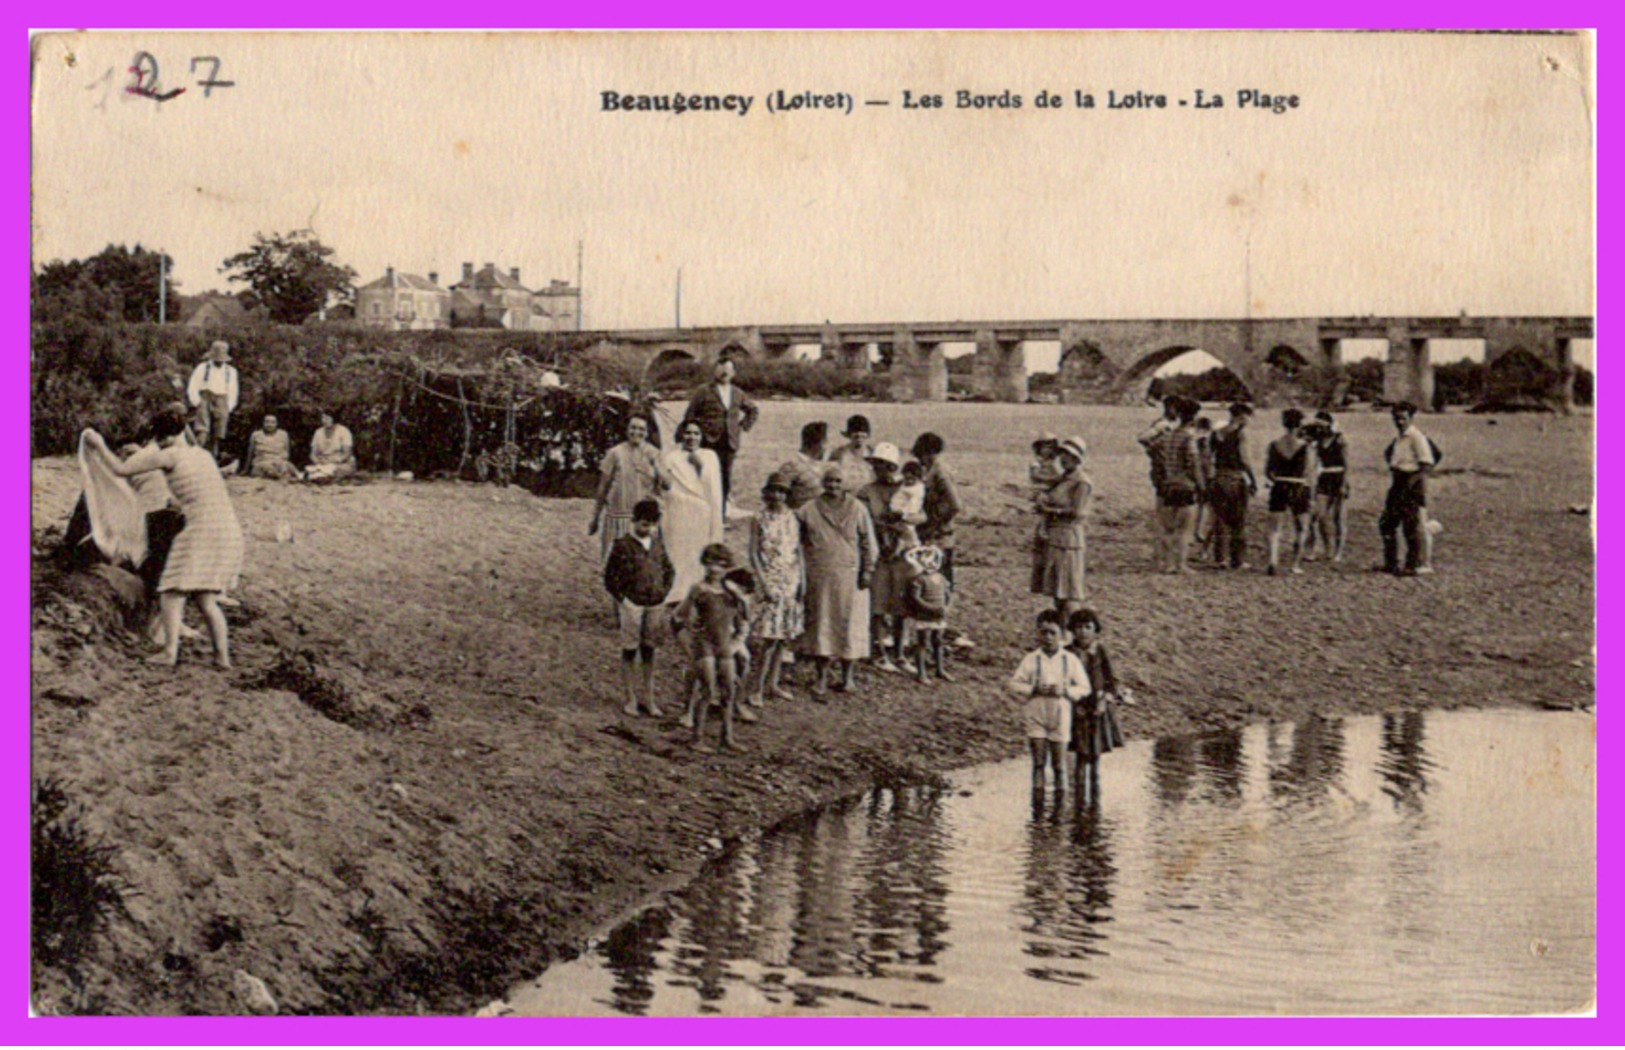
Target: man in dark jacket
(724,413)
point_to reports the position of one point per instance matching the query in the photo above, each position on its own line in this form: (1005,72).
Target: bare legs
(1300,531)
(170,606)
(767,678)
(1051,753)
(718,676)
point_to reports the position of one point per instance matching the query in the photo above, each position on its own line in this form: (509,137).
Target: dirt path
(416,787)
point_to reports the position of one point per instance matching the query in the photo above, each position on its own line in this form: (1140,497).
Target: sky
(1419,174)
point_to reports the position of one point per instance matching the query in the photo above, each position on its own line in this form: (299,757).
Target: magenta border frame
(1382,14)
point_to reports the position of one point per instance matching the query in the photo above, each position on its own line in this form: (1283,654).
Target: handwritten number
(209,83)
(145,69)
(143,64)
(106,80)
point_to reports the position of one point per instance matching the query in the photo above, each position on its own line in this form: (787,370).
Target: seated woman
(332,451)
(268,452)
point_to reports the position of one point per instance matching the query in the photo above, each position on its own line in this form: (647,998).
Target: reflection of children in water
(1067,890)
(629,952)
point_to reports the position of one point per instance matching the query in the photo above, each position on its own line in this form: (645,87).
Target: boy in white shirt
(1047,682)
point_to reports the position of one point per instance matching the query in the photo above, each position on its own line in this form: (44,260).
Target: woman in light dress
(629,475)
(839,542)
(691,484)
(207,556)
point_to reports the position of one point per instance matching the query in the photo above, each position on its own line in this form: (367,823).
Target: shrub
(73,887)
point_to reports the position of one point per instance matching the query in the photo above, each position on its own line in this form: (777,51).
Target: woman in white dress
(691,483)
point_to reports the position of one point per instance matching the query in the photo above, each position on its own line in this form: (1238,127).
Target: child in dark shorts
(638,575)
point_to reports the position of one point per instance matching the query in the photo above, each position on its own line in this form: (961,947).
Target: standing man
(213,392)
(1179,461)
(724,413)
(1410,459)
(1233,485)
(805,470)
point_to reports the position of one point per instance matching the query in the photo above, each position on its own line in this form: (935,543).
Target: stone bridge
(1112,361)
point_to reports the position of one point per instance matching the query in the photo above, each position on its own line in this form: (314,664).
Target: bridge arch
(669,360)
(1145,364)
(1517,374)
(1287,360)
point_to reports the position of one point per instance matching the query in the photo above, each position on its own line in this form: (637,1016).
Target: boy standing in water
(638,576)
(1048,681)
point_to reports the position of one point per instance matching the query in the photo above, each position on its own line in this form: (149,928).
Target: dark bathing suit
(1287,494)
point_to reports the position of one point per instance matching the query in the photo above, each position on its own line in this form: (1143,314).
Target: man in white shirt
(213,392)
(1410,459)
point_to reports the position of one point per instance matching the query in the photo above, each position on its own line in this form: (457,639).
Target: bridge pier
(1408,372)
(918,370)
(1084,375)
(999,369)
(842,353)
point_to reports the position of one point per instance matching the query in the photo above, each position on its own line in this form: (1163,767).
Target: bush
(430,402)
(74,889)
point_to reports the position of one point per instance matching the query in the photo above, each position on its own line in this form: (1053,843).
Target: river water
(1412,863)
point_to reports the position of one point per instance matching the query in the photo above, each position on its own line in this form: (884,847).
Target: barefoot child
(708,616)
(741,587)
(775,556)
(927,600)
(1048,681)
(638,575)
(1094,723)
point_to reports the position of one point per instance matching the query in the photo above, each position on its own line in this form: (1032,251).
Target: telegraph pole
(578,284)
(163,289)
(679,297)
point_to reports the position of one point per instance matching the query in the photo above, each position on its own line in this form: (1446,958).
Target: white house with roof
(403,301)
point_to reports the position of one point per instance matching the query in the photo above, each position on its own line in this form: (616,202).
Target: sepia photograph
(813,524)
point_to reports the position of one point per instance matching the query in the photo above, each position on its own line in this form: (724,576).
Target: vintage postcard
(812,524)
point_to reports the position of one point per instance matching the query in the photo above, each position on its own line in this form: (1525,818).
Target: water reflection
(1404,766)
(1327,863)
(1066,892)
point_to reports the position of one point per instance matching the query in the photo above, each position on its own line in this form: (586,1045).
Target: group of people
(851,558)
(332,452)
(189,544)
(1203,481)
(214,390)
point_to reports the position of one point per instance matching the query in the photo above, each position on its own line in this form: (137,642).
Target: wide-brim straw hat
(777,481)
(886,452)
(1046,438)
(1075,447)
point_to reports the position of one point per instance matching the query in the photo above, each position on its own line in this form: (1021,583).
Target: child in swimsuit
(709,616)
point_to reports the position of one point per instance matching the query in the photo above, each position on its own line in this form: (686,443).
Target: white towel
(118,524)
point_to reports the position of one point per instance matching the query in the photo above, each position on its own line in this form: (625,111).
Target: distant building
(557,308)
(404,301)
(210,310)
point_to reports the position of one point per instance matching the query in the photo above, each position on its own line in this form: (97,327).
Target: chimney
(389,274)
(468,271)
(491,266)
(434,278)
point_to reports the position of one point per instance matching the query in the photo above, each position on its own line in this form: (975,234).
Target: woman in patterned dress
(207,556)
(781,579)
(629,477)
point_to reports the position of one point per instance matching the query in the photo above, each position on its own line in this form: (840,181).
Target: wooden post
(395,416)
(468,427)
